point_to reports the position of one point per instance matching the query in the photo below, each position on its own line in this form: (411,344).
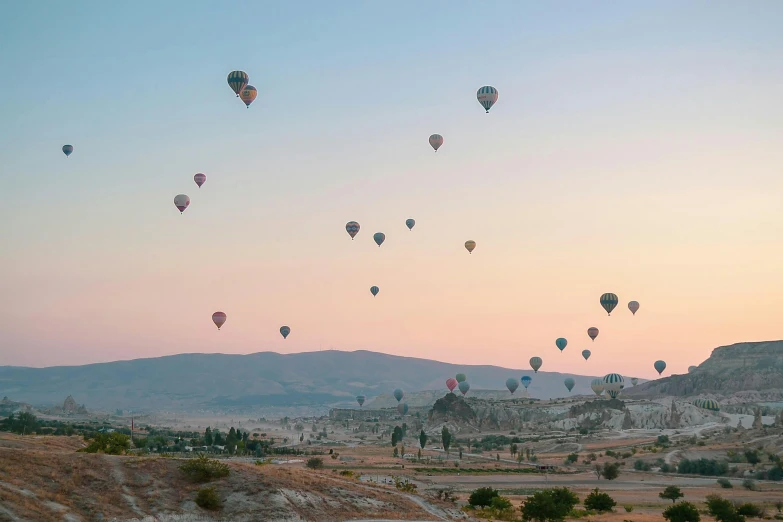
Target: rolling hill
(189,382)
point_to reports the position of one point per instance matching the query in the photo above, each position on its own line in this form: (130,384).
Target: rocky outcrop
(757,425)
(627,421)
(674,417)
(451,407)
(70,406)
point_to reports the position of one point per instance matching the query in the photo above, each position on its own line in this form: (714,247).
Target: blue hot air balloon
(67,149)
(284,331)
(360,399)
(569,383)
(398,394)
(586,354)
(561,343)
(410,223)
(379,238)
(464,387)
(374,290)
(526,381)
(660,366)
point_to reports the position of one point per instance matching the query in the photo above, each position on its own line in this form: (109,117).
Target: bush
(202,469)
(722,509)
(482,497)
(315,463)
(641,465)
(208,498)
(501,504)
(682,512)
(109,443)
(549,504)
(610,471)
(573,457)
(599,501)
(666,468)
(703,467)
(749,484)
(725,483)
(628,508)
(750,510)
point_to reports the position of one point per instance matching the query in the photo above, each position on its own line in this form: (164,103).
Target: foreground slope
(43,478)
(194,381)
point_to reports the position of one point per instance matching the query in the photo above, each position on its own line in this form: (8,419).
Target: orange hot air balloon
(248,94)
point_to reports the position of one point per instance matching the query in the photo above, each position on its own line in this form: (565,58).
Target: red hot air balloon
(200,179)
(219,318)
(592,332)
(451,383)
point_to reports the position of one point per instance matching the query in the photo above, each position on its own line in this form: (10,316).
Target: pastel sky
(635,149)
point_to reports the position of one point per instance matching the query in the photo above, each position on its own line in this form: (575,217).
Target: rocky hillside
(742,367)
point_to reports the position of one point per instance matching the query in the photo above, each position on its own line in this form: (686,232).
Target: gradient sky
(635,149)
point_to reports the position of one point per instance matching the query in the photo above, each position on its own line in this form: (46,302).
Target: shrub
(482,497)
(599,501)
(722,509)
(779,505)
(315,463)
(749,484)
(671,493)
(641,465)
(202,469)
(682,512)
(573,457)
(610,471)
(628,508)
(750,510)
(549,504)
(703,467)
(501,504)
(109,443)
(208,498)
(725,483)
(666,468)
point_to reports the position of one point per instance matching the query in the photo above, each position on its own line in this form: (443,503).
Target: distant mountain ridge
(189,382)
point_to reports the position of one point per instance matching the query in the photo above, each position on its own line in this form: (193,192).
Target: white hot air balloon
(182,202)
(487,96)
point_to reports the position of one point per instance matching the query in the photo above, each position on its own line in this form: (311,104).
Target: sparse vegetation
(203,469)
(108,443)
(207,498)
(682,512)
(599,501)
(316,463)
(671,493)
(725,483)
(749,484)
(482,497)
(549,505)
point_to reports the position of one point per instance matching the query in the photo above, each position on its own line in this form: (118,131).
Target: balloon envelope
(436,140)
(182,202)
(586,354)
(360,399)
(597,385)
(613,384)
(633,306)
(219,318)
(660,366)
(470,245)
(461,377)
(569,383)
(402,408)
(374,290)
(608,302)
(535,363)
(248,94)
(67,149)
(464,387)
(512,384)
(200,179)
(634,381)
(561,343)
(592,332)
(352,227)
(487,96)
(284,331)
(526,381)
(379,238)
(237,80)
(410,223)
(451,383)
(398,394)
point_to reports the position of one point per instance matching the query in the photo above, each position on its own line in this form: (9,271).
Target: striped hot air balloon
(237,80)
(535,363)
(609,301)
(592,332)
(410,223)
(374,290)
(597,385)
(360,399)
(181,201)
(613,384)
(352,227)
(436,140)
(451,383)
(487,96)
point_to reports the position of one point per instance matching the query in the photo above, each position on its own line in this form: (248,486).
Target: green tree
(396,452)
(23,423)
(752,456)
(599,501)
(460,453)
(672,493)
(513,449)
(218,438)
(549,505)
(109,443)
(203,469)
(422,439)
(482,497)
(722,509)
(573,457)
(316,463)
(682,512)
(611,471)
(445,437)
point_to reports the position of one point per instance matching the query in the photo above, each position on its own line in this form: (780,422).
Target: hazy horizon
(634,149)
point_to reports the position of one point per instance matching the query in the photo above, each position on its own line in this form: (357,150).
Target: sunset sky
(636,148)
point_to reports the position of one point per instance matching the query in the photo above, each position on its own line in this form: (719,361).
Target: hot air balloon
(609,301)
(613,384)
(526,381)
(691,369)
(707,404)
(592,332)
(402,408)
(219,318)
(436,140)
(451,383)
(200,179)
(374,290)
(470,245)
(633,306)
(512,384)
(237,80)
(598,386)
(284,331)
(487,96)
(398,394)
(248,94)
(635,381)
(410,223)
(535,363)
(461,377)
(464,387)
(352,227)
(660,366)
(561,343)
(182,202)
(360,399)
(67,149)
(379,238)
(586,354)
(569,383)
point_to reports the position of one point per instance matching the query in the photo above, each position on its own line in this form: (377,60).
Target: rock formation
(757,425)
(70,406)
(674,417)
